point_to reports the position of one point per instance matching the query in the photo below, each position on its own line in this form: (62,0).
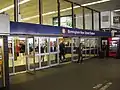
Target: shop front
(33,46)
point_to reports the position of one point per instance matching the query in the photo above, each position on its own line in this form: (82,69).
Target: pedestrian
(104,49)
(80,57)
(42,51)
(62,51)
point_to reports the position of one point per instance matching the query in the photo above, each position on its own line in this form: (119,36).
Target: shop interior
(28,53)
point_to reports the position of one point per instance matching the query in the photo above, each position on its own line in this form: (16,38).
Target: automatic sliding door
(75,46)
(68,43)
(44,50)
(37,52)
(54,50)
(11,54)
(19,54)
(32,50)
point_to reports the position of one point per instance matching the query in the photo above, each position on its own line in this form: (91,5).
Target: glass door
(44,51)
(19,54)
(30,53)
(54,51)
(11,55)
(75,46)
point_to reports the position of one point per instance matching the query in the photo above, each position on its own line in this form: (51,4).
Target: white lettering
(87,33)
(81,32)
(92,33)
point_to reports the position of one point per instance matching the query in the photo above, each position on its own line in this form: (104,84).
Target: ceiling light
(118,10)
(53,12)
(49,13)
(76,6)
(28,18)
(12,6)
(63,10)
(93,3)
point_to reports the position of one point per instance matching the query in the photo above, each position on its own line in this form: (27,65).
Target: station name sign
(27,28)
(81,32)
(78,32)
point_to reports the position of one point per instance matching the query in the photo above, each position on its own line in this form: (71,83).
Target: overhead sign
(80,32)
(37,29)
(4,24)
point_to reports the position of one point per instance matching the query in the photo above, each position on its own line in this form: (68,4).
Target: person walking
(62,51)
(104,49)
(80,57)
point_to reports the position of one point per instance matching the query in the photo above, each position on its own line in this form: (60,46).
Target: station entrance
(28,53)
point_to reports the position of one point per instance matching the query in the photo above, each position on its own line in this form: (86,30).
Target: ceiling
(111,5)
(30,8)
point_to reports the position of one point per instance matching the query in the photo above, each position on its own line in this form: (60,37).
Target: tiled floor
(71,76)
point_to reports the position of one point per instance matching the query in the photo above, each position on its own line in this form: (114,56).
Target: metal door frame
(72,48)
(28,69)
(53,53)
(12,58)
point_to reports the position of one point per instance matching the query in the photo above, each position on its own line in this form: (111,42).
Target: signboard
(4,24)
(78,32)
(37,29)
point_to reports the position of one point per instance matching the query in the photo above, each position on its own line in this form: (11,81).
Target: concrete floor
(71,76)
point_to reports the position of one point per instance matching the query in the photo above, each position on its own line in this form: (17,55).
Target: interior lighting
(118,10)
(49,13)
(63,10)
(97,2)
(28,18)
(12,6)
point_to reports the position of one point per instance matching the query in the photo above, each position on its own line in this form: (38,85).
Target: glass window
(8,7)
(78,16)
(65,14)
(29,11)
(96,20)
(88,18)
(44,45)
(50,14)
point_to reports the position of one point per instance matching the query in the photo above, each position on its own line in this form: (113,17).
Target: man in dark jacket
(62,51)
(80,58)
(104,49)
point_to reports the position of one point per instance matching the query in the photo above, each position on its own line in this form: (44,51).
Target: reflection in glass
(30,13)
(49,13)
(44,60)
(36,45)
(88,19)
(5,4)
(53,58)
(96,20)
(65,13)
(53,45)
(10,50)
(78,16)
(76,42)
(44,45)
(19,58)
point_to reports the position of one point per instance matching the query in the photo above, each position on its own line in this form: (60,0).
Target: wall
(105,19)
(109,23)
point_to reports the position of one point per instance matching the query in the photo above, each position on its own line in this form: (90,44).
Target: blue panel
(27,28)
